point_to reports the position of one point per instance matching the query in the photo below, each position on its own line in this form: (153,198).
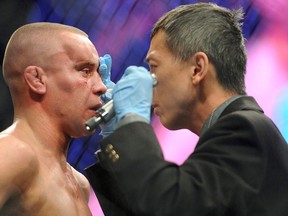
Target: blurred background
(122,29)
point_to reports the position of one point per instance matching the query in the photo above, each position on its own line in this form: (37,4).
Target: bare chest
(51,192)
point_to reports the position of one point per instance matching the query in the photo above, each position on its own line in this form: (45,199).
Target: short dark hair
(212,29)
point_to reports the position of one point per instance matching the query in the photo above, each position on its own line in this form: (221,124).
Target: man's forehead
(73,35)
(78,46)
(158,42)
(158,50)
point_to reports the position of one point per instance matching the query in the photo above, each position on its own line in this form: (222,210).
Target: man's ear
(35,79)
(201,64)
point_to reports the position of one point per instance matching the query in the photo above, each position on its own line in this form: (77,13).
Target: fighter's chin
(82,133)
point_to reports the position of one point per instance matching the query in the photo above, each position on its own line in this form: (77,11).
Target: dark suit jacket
(238,168)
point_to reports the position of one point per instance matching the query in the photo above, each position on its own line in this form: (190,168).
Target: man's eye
(86,71)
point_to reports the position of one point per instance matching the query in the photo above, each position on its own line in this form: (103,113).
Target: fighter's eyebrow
(85,64)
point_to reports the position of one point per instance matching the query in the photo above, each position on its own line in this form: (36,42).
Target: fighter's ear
(35,79)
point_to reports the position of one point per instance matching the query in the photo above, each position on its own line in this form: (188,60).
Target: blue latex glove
(105,72)
(133,93)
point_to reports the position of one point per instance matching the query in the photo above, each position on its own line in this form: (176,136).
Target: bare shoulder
(18,162)
(82,182)
(15,148)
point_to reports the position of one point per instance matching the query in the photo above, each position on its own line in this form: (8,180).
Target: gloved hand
(132,94)
(105,72)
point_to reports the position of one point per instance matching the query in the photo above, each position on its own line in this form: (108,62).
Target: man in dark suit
(240,164)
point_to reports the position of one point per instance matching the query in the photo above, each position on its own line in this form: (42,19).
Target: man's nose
(98,86)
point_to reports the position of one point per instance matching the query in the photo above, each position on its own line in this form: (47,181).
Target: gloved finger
(108,61)
(103,68)
(105,63)
(107,96)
